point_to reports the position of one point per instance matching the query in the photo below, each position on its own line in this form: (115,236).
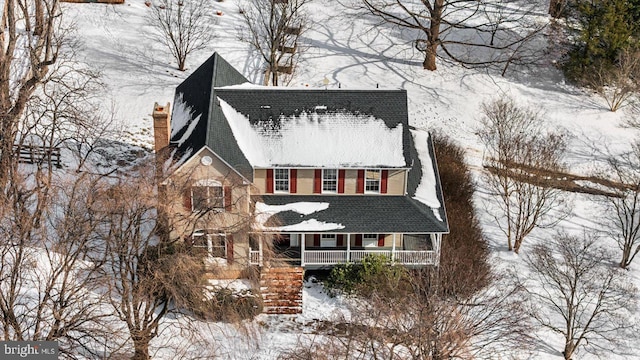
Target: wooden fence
(33,154)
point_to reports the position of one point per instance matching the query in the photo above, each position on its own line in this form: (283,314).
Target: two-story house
(328,175)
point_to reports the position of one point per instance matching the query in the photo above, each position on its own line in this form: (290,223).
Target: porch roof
(357,214)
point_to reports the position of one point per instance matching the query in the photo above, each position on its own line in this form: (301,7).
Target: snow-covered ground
(352,54)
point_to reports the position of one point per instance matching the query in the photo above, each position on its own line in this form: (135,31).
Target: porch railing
(358,255)
(402,257)
(325,257)
(254,257)
(415,257)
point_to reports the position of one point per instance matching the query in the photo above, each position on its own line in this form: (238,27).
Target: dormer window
(330,180)
(207,195)
(372,181)
(281,180)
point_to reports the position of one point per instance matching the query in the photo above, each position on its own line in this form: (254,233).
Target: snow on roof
(301,207)
(318,139)
(265,211)
(426,190)
(309,225)
(171,164)
(180,117)
(251,86)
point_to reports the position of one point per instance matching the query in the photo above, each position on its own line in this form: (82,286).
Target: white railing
(415,257)
(254,257)
(358,255)
(324,257)
(402,257)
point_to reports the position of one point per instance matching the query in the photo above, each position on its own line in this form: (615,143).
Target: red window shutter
(384,174)
(317,181)
(358,239)
(341,181)
(316,239)
(186,200)
(380,240)
(340,240)
(360,184)
(228,204)
(229,249)
(269,186)
(293,181)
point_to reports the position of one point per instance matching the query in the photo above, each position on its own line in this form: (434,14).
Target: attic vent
(321,107)
(265,106)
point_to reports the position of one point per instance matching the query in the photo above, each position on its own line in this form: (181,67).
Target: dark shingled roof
(201,90)
(363,213)
(268,105)
(373,213)
(198,92)
(415,176)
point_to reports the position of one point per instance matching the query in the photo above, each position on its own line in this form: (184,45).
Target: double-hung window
(207,195)
(370,240)
(210,243)
(329,180)
(372,181)
(328,240)
(281,180)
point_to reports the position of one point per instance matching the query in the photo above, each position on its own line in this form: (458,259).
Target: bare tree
(30,42)
(148,278)
(417,321)
(49,269)
(558,8)
(273,28)
(520,153)
(622,215)
(617,83)
(183,26)
(580,296)
(460,27)
(66,112)
(153,268)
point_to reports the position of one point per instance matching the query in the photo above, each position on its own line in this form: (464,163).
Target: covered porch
(321,231)
(321,250)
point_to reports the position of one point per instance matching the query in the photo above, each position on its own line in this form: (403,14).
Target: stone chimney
(161,126)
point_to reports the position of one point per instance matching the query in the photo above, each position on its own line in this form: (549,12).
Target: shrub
(229,306)
(373,274)
(464,266)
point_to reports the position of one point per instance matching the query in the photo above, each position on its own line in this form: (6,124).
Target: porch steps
(281,289)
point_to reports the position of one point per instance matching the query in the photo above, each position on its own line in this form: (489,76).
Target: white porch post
(303,239)
(437,248)
(348,247)
(260,246)
(393,248)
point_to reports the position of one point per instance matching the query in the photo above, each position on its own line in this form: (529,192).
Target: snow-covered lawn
(352,54)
